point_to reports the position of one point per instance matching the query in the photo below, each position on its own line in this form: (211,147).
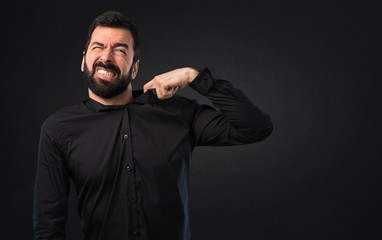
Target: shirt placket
(131,183)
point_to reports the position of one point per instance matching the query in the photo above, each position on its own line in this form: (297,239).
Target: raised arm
(236,120)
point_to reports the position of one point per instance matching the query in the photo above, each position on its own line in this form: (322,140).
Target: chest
(101,144)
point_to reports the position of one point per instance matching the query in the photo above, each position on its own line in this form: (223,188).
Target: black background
(314,66)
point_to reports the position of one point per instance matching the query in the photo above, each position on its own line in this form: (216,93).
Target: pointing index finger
(149,85)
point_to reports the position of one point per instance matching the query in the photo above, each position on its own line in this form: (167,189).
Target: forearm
(49,210)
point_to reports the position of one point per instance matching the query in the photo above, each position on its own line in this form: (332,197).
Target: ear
(135,69)
(83,62)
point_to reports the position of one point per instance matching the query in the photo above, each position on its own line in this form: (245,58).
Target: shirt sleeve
(52,184)
(234,120)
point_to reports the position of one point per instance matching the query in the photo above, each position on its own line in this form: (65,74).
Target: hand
(168,83)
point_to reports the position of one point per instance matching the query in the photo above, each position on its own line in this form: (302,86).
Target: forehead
(110,35)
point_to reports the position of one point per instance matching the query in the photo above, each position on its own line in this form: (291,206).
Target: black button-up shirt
(130,164)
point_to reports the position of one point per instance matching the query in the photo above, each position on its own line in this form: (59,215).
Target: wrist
(192,74)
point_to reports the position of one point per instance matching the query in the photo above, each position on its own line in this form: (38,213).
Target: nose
(106,56)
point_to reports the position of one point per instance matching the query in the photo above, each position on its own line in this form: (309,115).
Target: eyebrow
(117,44)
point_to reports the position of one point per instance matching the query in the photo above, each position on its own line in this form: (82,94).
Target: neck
(121,99)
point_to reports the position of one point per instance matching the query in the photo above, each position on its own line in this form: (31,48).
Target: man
(128,152)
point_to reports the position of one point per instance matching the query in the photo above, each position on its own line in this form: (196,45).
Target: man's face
(108,64)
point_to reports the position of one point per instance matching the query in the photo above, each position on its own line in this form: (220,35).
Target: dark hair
(115,19)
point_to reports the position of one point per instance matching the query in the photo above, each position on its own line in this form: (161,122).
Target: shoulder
(178,108)
(179,102)
(74,109)
(53,120)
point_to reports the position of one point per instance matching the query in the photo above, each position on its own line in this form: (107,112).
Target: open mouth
(105,74)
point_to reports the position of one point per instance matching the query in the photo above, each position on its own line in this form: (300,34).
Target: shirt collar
(138,97)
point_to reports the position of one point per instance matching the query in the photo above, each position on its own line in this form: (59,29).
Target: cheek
(92,57)
(89,61)
(124,67)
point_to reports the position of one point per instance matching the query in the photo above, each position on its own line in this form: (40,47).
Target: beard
(106,89)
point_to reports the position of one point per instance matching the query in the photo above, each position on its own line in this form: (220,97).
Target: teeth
(106,73)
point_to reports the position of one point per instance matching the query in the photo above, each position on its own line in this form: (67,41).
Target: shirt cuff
(203,82)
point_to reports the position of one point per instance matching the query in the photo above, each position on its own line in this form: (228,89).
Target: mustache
(107,66)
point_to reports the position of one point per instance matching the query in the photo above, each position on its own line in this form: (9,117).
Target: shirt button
(132,200)
(128,168)
(125,136)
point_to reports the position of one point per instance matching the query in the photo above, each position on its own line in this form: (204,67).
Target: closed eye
(121,50)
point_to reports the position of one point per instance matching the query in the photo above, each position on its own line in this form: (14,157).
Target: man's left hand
(168,83)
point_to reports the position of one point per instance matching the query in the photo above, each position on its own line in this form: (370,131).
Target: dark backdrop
(314,66)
